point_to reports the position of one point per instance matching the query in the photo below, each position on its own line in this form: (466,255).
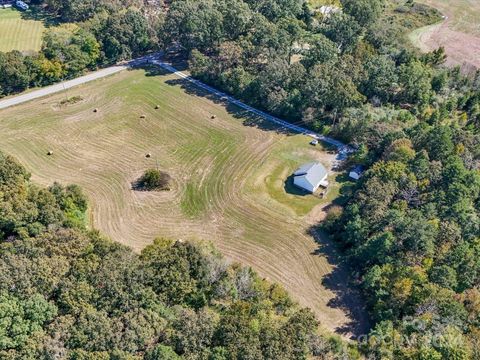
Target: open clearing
(19,34)
(229,178)
(459,33)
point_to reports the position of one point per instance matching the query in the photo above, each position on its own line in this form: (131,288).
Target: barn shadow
(290,188)
(342,283)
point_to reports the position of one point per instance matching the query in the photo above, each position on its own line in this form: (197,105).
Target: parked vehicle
(21,5)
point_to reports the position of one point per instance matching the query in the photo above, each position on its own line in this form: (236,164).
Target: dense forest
(410,229)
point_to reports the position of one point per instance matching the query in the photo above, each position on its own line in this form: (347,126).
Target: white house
(311,176)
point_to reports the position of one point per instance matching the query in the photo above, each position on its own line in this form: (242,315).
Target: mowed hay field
(459,33)
(222,169)
(19,34)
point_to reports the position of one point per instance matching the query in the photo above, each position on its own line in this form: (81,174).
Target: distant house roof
(310,176)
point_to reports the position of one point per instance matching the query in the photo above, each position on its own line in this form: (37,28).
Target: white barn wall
(301,182)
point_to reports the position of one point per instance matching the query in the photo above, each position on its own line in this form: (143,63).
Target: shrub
(154,180)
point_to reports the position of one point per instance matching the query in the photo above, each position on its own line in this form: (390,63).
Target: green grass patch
(17,33)
(71,100)
(193,202)
(410,17)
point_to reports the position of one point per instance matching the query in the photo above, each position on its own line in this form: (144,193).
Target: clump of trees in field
(153,180)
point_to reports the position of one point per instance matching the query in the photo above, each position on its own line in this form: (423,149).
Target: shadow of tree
(158,181)
(138,185)
(177,59)
(39,14)
(341,282)
(152,70)
(346,189)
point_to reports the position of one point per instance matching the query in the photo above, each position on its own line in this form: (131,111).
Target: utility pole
(65,89)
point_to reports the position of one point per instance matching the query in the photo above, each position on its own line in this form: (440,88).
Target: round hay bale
(148,155)
(143,116)
(50,153)
(157,107)
(95,110)
(214,116)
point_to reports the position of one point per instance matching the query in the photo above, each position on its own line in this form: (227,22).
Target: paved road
(16,100)
(19,99)
(343,150)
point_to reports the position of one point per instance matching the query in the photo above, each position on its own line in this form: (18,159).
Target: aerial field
(459,33)
(19,34)
(230,178)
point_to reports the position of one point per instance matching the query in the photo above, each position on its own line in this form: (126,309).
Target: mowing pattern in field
(459,33)
(17,33)
(222,192)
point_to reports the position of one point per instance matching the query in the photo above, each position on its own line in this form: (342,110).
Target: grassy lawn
(19,34)
(228,174)
(417,35)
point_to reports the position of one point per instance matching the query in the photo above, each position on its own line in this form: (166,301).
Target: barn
(310,177)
